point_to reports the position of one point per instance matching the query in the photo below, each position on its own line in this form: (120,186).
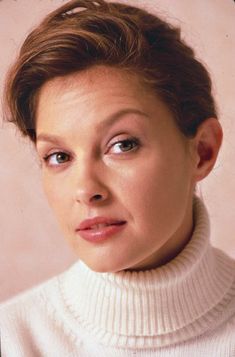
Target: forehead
(89,97)
(100,85)
(96,78)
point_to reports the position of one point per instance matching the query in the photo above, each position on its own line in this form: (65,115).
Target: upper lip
(88,223)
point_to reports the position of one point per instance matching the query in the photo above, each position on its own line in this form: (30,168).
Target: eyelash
(134,142)
(47,157)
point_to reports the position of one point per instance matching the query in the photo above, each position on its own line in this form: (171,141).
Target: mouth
(98,229)
(99,223)
(102,225)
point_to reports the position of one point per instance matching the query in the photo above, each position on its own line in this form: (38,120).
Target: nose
(90,186)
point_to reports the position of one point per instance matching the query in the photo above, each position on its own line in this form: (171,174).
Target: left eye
(123,146)
(56,158)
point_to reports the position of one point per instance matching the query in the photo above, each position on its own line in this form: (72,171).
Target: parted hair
(84,33)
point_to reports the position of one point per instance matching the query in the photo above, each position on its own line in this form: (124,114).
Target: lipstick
(98,229)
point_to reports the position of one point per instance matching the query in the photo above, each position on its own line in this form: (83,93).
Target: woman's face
(114,152)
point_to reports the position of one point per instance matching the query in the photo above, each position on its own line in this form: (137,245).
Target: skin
(148,182)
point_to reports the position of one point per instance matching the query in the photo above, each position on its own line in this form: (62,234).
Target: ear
(207,143)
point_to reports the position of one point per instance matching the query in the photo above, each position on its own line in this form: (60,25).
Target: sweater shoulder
(28,301)
(28,294)
(29,325)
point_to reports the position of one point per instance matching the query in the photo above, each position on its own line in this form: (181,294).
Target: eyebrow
(101,126)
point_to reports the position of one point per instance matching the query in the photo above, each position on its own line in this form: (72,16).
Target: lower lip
(101,234)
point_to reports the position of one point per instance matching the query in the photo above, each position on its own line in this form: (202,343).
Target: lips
(99,229)
(98,223)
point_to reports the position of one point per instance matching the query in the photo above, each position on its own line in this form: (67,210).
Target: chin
(107,267)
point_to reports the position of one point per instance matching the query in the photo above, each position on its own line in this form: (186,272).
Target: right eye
(56,158)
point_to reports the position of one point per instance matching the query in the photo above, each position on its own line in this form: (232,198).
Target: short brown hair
(84,33)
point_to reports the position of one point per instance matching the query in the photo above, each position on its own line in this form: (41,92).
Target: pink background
(32,247)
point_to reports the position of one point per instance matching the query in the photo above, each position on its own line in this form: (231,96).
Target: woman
(125,126)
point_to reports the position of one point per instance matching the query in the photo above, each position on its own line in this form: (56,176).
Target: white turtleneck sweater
(185,309)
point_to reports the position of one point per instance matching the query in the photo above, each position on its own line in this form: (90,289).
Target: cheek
(138,186)
(55,191)
(154,190)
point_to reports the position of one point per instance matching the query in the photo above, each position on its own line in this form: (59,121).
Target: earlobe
(207,144)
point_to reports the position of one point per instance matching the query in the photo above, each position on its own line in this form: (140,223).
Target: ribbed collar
(157,307)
